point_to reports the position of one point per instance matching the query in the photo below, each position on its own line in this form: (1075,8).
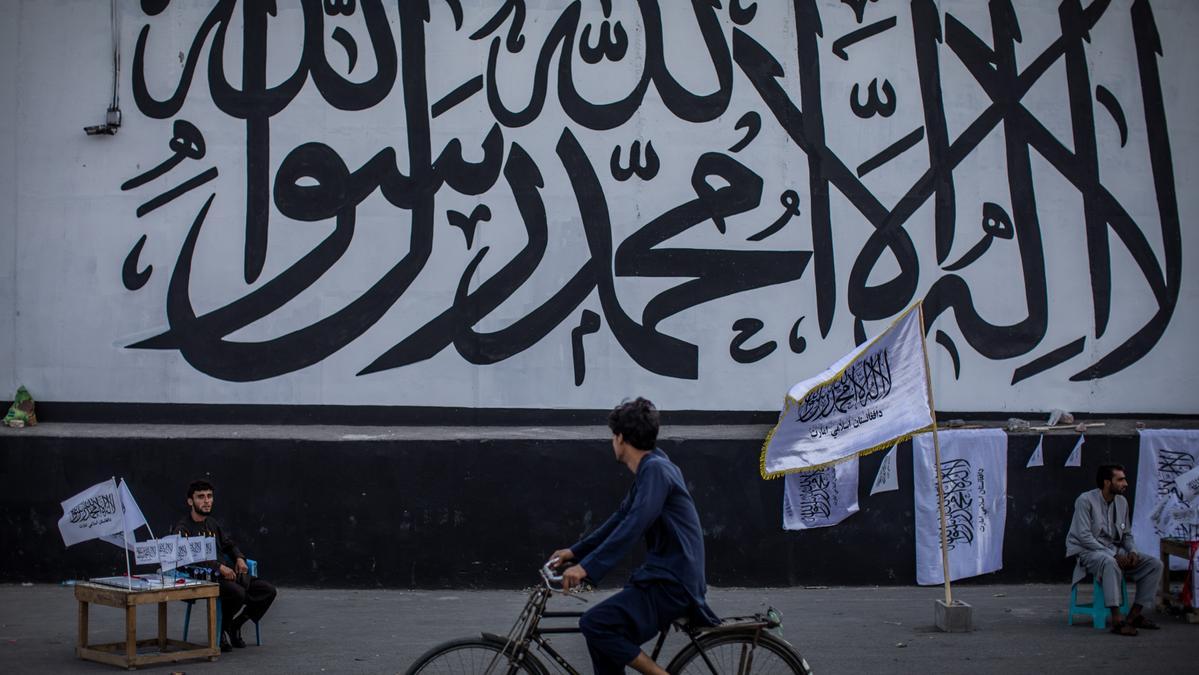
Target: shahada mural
(508,203)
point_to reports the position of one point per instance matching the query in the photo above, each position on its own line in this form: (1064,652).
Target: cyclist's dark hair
(637,422)
(198,486)
(1105,472)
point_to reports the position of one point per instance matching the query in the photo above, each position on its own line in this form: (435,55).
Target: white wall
(9,54)
(66,226)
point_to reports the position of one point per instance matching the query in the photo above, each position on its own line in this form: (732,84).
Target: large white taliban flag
(873,397)
(91,514)
(1166,455)
(974,479)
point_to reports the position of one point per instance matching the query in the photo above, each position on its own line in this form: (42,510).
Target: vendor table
(162,650)
(1167,601)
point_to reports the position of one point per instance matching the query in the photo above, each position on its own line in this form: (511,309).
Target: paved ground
(1020,629)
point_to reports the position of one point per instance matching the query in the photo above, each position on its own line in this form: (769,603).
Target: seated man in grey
(1101,536)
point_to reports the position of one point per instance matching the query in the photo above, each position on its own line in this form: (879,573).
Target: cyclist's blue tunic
(658,505)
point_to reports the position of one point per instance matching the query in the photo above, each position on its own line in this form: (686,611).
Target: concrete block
(955,618)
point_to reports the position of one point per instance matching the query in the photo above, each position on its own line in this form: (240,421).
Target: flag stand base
(955,618)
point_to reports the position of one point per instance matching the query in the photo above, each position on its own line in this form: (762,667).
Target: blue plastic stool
(1097,608)
(187,616)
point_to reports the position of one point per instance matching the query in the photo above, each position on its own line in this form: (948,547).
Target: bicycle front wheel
(729,653)
(473,656)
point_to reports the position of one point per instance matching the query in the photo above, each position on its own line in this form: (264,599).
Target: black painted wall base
(486,513)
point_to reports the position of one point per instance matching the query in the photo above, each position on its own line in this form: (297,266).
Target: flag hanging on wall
(1038,455)
(91,514)
(974,479)
(873,397)
(1166,455)
(1075,458)
(887,478)
(820,498)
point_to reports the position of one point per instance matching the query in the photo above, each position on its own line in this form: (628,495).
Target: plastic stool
(187,617)
(1096,608)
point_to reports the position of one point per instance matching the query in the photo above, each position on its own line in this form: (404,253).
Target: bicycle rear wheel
(472,656)
(728,651)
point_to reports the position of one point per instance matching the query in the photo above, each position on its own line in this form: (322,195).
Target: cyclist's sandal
(1124,628)
(1143,622)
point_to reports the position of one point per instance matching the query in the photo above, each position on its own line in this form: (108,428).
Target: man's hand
(1133,558)
(1126,560)
(227,573)
(242,567)
(564,555)
(573,577)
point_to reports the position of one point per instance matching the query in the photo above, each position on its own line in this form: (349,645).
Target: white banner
(91,514)
(872,397)
(146,552)
(1075,458)
(1188,485)
(821,497)
(166,551)
(183,552)
(174,550)
(1038,455)
(195,550)
(1166,455)
(133,519)
(974,479)
(887,478)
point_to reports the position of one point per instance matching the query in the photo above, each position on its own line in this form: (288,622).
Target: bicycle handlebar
(549,576)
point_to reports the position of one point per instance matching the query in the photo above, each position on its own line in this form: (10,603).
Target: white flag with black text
(821,497)
(133,519)
(91,514)
(1038,455)
(1075,458)
(1166,455)
(871,398)
(887,478)
(974,480)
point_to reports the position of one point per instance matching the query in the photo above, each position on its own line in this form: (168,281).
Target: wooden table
(126,653)
(1170,547)
(1166,601)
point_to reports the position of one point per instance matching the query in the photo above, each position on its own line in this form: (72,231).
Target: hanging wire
(116,57)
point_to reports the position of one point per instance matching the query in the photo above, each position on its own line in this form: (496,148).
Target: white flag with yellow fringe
(873,397)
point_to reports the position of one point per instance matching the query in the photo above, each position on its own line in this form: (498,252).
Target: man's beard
(202,514)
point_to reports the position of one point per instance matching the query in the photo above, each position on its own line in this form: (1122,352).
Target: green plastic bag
(20,413)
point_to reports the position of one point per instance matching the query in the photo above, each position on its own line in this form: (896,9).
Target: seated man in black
(238,589)
(670,583)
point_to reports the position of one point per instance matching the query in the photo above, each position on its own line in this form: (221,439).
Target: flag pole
(928,379)
(124,535)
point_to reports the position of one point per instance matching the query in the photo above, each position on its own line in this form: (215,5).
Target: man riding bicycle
(670,583)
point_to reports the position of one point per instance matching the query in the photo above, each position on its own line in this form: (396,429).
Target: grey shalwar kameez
(1098,532)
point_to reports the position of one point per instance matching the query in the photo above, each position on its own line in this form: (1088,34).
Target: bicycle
(740,645)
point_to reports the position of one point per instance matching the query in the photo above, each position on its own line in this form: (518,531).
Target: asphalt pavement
(1019,629)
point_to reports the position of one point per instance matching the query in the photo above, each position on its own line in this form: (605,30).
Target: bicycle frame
(527,632)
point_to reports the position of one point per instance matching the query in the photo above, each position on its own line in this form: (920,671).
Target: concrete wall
(403,205)
(459,509)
